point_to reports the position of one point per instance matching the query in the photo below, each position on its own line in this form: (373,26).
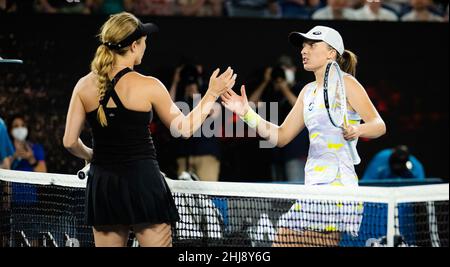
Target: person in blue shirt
(6,152)
(6,147)
(28,156)
(394,162)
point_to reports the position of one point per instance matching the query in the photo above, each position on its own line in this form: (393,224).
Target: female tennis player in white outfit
(329,160)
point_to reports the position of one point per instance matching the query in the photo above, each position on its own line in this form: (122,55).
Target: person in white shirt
(373,10)
(335,10)
(420,12)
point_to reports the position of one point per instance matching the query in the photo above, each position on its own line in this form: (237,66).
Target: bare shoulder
(351,83)
(150,80)
(85,82)
(148,83)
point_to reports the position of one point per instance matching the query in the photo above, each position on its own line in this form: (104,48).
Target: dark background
(403,66)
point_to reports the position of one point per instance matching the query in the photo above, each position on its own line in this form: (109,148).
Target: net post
(390,235)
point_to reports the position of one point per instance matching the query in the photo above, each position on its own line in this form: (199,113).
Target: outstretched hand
(234,102)
(219,84)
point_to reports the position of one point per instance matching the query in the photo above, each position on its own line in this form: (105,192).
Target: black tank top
(127,136)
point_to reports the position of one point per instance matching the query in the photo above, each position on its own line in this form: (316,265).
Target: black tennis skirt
(128,194)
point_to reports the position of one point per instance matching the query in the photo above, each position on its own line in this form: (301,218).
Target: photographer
(198,154)
(288,163)
(396,162)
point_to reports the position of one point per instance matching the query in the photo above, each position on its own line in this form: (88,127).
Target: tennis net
(45,209)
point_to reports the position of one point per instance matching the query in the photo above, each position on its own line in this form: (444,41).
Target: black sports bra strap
(119,75)
(116,99)
(111,92)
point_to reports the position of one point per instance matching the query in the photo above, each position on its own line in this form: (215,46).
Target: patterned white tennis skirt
(324,216)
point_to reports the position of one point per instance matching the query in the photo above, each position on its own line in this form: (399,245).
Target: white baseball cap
(319,33)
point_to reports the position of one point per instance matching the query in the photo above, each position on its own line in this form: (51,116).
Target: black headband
(141,30)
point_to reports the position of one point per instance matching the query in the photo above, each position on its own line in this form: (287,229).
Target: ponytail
(347,62)
(101,65)
(113,31)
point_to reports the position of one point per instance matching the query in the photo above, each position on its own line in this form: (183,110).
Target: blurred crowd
(40,107)
(379,10)
(33,91)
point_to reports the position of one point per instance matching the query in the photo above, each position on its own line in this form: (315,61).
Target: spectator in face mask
(285,62)
(279,86)
(28,156)
(24,197)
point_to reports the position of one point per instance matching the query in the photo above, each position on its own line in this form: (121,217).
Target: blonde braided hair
(114,30)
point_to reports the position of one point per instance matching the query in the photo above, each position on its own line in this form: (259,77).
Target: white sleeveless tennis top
(329,160)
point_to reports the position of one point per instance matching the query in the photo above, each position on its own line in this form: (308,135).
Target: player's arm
(373,126)
(277,135)
(185,125)
(76,116)
(291,126)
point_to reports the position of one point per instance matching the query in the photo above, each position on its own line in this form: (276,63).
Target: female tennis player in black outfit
(125,189)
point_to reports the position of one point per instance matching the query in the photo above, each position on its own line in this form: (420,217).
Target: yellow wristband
(251,118)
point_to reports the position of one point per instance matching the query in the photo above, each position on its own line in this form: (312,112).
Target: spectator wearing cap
(394,162)
(421,12)
(335,10)
(373,10)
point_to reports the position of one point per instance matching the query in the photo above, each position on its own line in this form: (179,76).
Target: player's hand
(236,103)
(219,84)
(351,132)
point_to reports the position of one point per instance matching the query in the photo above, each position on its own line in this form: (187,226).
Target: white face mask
(290,76)
(20,133)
